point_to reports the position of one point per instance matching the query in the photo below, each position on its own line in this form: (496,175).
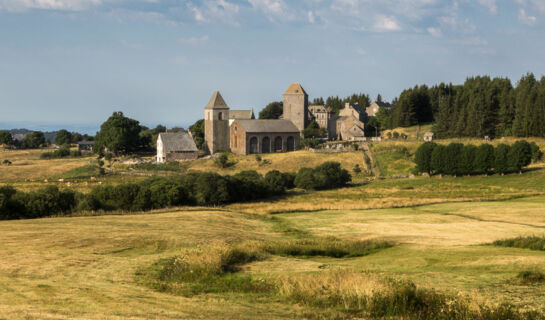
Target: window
(219,115)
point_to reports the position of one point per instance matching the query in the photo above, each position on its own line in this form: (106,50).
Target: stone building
(216,124)
(325,117)
(264,136)
(373,109)
(295,106)
(176,147)
(240,115)
(350,125)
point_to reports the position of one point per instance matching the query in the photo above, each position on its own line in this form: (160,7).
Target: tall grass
(327,247)
(532,243)
(528,277)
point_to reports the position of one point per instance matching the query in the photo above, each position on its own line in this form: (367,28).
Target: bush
(537,155)
(439,159)
(222,160)
(484,158)
(62,152)
(41,203)
(422,157)
(531,277)
(501,158)
(532,243)
(357,169)
(520,155)
(325,176)
(467,159)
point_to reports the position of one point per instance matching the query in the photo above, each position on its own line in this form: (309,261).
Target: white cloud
(61,5)
(386,23)
(525,18)
(361,51)
(490,4)
(436,32)
(311,17)
(214,11)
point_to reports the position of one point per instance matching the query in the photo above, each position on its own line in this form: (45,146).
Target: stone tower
(296,106)
(216,124)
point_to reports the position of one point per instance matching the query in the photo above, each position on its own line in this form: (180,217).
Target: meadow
(334,254)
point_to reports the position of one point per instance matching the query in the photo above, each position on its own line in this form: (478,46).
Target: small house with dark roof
(86,146)
(263,136)
(177,146)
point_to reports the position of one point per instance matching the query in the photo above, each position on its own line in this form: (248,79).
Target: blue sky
(71,63)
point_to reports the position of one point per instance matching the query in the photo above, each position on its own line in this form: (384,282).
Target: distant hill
(18,134)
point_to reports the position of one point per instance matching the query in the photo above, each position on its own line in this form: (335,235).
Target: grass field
(441,231)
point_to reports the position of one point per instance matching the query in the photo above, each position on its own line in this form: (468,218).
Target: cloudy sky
(73,62)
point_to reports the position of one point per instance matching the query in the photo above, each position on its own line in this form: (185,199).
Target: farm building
(177,146)
(85,146)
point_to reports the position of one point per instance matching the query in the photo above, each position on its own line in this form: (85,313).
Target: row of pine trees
(481,107)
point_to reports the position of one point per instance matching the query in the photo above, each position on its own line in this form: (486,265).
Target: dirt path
(371,168)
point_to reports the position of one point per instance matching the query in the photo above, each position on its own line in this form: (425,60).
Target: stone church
(245,135)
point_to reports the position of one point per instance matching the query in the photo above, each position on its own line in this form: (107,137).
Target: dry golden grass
(27,166)
(284,162)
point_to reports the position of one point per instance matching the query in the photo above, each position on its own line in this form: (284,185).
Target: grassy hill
(279,257)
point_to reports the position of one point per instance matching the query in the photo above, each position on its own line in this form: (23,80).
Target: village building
(240,115)
(85,146)
(350,125)
(428,136)
(176,146)
(325,117)
(374,108)
(264,136)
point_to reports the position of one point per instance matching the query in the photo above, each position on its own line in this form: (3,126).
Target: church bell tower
(216,124)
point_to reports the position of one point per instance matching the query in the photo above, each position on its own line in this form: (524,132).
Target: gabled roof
(241,114)
(178,141)
(86,143)
(216,102)
(295,88)
(381,104)
(269,126)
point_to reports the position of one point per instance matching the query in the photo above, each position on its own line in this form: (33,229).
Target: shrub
(276,182)
(484,158)
(532,243)
(439,159)
(520,155)
(211,189)
(467,159)
(357,169)
(537,155)
(328,175)
(501,159)
(531,277)
(395,135)
(222,160)
(422,157)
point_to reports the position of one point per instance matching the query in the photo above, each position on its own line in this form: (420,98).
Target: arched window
(253,145)
(266,145)
(278,144)
(291,144)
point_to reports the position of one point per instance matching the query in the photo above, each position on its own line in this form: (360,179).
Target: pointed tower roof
(295,88)
(216,102)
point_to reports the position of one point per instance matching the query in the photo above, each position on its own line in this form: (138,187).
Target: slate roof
(179,141)
(86,143)
(241,114)
(381,104)
(295,88)
(268,126)
(216,102)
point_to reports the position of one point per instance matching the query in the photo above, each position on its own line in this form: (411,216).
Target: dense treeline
(482,106)
(459,159)
(63,152)
(205,189)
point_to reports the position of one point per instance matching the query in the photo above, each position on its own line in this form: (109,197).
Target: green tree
(63,137)
(313,130)
(501,160)
(118,134)
(467,159)
(453,152)
(272,111)
(439,159)
(6,138)
(197,131)
(318,101)
(34,139)
(537,155)
(484,158)
(520,155)
(422,157)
